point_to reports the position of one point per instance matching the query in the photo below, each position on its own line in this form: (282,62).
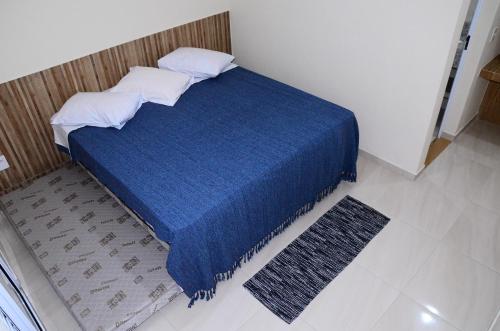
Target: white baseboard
(448,136)
(391,166)
(451,136)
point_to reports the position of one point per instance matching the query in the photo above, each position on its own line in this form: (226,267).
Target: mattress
(107,268)
(236,160)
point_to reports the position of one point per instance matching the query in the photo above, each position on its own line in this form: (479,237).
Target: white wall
(385,60)
(35,34)
(469,88)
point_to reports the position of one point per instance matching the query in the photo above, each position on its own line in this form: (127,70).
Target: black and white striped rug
(293,278)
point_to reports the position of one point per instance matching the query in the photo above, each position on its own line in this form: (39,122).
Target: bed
(236,160)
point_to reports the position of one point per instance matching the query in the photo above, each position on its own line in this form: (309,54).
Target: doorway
(439,144)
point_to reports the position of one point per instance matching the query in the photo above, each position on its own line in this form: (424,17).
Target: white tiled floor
(436,266)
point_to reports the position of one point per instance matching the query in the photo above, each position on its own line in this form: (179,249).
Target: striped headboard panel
(27,103)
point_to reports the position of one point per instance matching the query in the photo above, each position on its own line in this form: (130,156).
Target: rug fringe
(210,293)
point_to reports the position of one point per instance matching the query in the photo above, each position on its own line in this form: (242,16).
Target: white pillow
(159,86)
(101,109)
(196,62)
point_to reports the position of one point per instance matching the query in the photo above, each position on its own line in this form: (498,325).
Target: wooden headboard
(27,103)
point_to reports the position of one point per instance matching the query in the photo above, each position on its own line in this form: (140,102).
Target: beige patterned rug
(106,267)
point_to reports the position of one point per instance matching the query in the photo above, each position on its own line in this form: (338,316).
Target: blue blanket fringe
(210,293)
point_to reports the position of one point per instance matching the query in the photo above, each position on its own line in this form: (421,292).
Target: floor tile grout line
(309,324)
(488,209)
(457,250)
(168,322)
(248,319)
(387,284)
(496,320)
(432,313)
(442,244)
(442,241)
(438,243)
(401,291)
(378,277)
(414,227)
(440,316)
(456,195)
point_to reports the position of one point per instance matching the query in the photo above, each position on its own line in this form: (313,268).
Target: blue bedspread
(235,161)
